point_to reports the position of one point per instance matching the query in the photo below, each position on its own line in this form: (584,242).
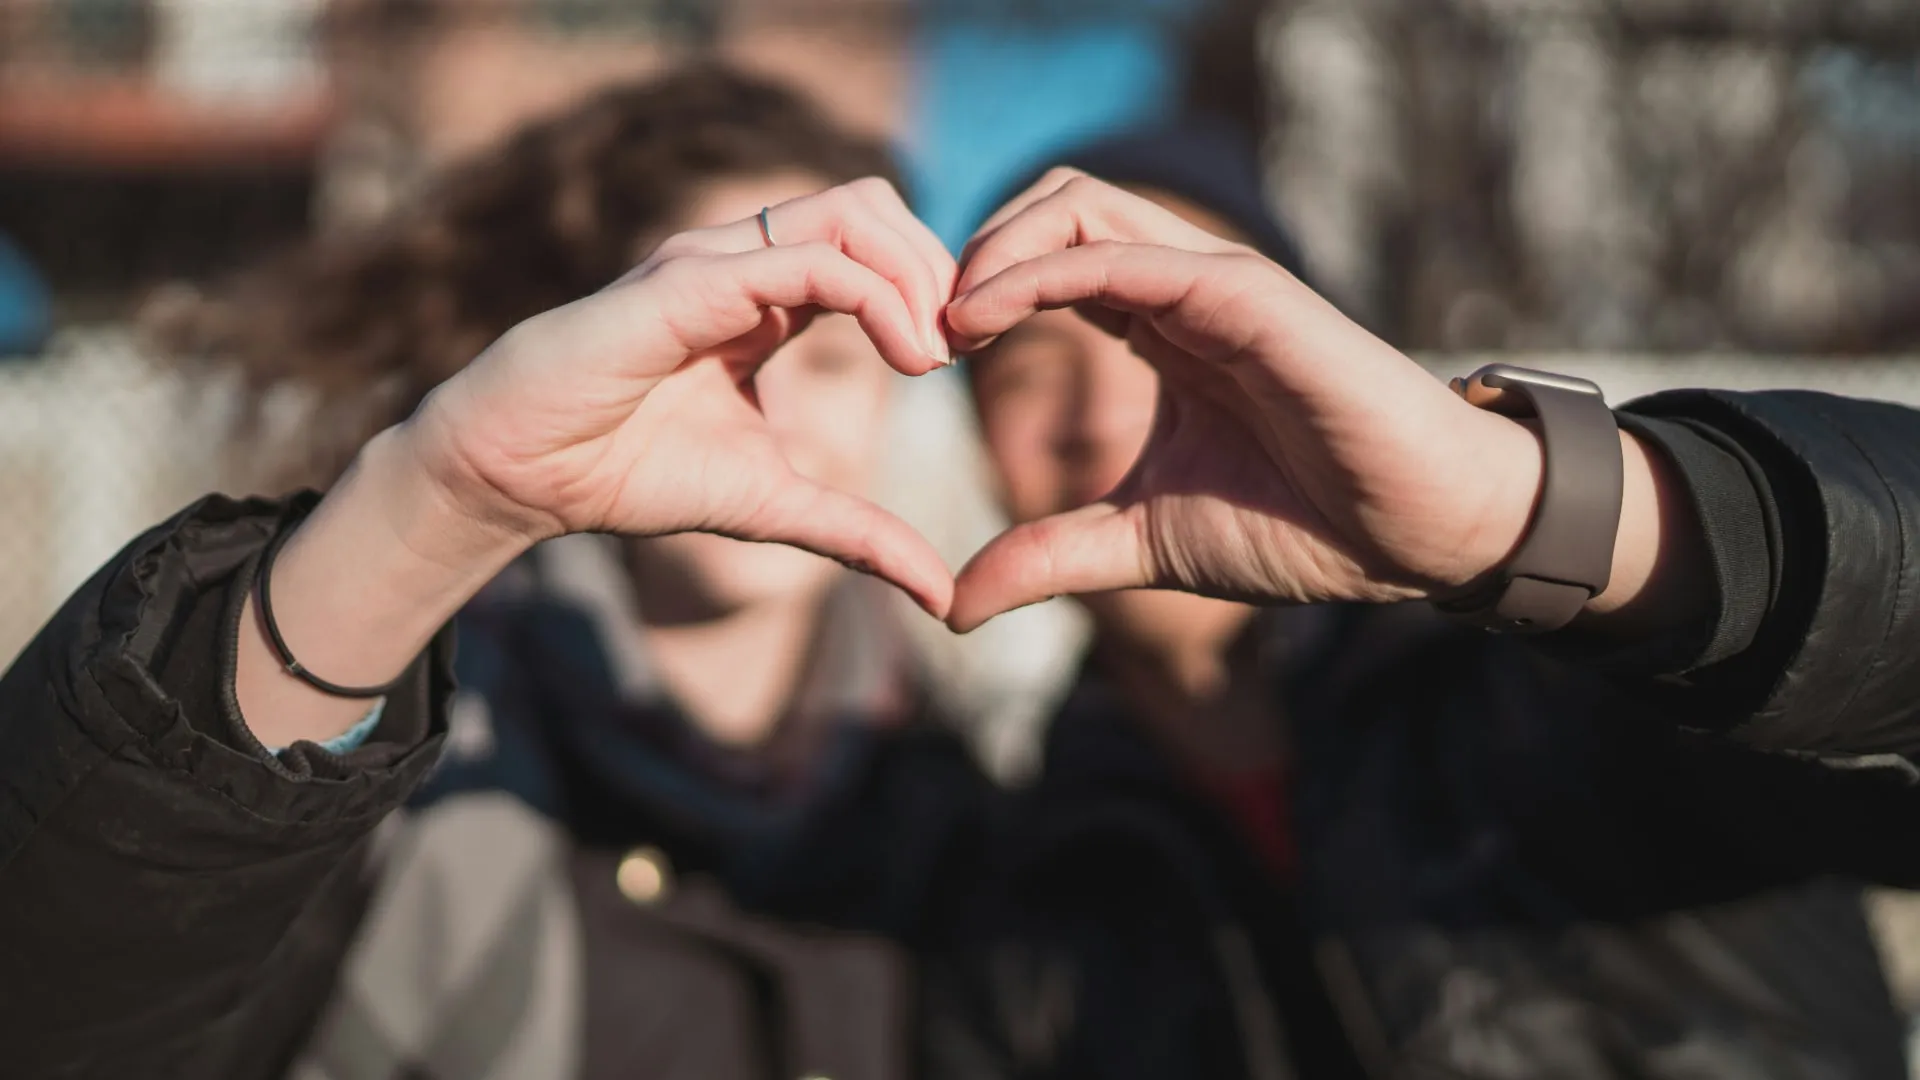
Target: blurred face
(824,396)
(1065,410)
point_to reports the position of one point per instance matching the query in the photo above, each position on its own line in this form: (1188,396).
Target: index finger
(1203,292)
(1053,181)
(715,299)
(886,201)
(859,220)
(1082,210)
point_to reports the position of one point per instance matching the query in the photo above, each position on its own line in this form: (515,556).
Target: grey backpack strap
(468,966)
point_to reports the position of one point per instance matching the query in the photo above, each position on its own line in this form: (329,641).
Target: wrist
(443,515)
(1660,574)
(1566,556)
(1655,580)
(359,589)
(432,448)
(1513,466)
(380,565)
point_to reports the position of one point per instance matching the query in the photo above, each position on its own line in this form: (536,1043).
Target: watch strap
(1566,556)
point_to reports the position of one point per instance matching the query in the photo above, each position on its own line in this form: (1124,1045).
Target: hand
(629,411)
(1294,458)
(633,410)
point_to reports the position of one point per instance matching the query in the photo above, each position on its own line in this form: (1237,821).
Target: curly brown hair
(369,325)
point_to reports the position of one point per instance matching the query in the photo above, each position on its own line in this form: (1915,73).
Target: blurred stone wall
(1605,174)
(96,445)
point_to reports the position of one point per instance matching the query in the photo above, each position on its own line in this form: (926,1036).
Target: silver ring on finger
(766,231)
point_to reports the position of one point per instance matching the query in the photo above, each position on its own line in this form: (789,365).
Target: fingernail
(937,350)
(946,345)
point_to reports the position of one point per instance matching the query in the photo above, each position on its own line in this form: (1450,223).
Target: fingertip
(931,590)
(962,618)
(938,604)
(938,350)
(973,347)
(962,322)
(898,554)
(1086,550)
(976,601)
(917,363)
(960,344)
(902,344)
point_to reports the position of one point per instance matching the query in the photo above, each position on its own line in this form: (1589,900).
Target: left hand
(633,410)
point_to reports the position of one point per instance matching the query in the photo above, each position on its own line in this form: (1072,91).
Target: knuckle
(680,247)
(691,262)
(517,335)
(1082,186)
(1249,263)
(878,187)
(844,199)
(684,270)
(673,247)
(633,274)
(821,261)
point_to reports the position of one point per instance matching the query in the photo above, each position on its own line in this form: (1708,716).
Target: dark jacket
(1512,863)
(780,887)
(1554,858)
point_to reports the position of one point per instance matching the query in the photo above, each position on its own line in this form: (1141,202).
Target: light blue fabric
(24,303)
(1001,86)
(353,737)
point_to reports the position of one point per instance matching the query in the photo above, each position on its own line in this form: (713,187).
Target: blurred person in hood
(1364,839)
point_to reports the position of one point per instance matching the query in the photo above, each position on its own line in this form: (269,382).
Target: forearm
(377,569)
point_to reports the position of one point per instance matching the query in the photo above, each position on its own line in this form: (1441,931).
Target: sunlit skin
(1294,458)
(728,623)
(712,391)
(1065,409)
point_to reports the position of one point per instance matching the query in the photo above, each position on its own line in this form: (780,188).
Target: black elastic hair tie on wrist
(263,596)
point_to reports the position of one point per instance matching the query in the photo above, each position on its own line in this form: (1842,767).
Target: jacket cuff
(165,663)
(1829,669)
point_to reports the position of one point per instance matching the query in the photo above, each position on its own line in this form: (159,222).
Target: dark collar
(595,738)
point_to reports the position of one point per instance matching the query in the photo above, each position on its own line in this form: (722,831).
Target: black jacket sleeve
(1814,646)
(1785,727)
(174,900)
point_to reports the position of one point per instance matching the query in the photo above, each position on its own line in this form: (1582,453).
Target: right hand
(1294,457)
(632,410)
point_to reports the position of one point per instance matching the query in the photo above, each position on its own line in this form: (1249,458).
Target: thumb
(852,531)
(1093,549)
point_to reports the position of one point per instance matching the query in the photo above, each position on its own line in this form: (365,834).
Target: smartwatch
(1566,556)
